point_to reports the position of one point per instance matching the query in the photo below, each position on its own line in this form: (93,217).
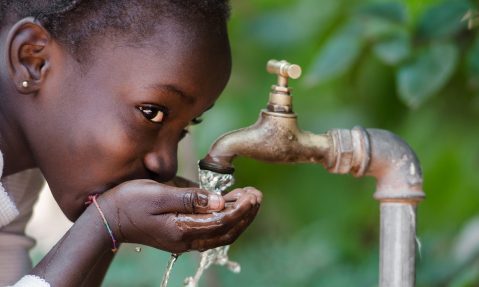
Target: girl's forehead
(197,63)
(189,34)
(171,40)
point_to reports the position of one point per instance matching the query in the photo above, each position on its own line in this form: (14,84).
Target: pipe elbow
(380,154)
(395,166)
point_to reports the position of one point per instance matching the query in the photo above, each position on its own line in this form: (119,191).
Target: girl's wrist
(93,201)
(94,226)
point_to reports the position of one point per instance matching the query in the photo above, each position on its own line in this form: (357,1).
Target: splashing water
(217,183)
(169,267)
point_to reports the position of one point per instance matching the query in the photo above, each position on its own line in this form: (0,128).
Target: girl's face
(122,117)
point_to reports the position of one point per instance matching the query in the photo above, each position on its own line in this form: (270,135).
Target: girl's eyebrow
(172,89)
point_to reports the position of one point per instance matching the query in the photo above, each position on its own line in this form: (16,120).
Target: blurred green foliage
(411,67)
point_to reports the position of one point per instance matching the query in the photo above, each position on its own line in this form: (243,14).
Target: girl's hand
(177,219)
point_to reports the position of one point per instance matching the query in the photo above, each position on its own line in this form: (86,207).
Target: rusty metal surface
(274,138)
(380,154)
(395,166)
(351,152)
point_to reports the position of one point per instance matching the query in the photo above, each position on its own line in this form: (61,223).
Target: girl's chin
(74,206)
(74,213)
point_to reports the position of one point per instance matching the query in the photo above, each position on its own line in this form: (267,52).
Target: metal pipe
(399,189)
(397,245)
(276,138)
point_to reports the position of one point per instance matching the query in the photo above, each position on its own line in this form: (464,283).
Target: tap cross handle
(284,70)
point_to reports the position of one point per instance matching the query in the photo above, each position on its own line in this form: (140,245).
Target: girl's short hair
(73,22)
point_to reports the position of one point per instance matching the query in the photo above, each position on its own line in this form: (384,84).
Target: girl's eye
(153,113)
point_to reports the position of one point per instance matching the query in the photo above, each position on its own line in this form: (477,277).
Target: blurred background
(411,67)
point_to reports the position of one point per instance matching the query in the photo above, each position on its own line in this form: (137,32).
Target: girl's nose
(162,164)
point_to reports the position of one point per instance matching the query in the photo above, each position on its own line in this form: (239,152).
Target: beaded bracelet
(92,199)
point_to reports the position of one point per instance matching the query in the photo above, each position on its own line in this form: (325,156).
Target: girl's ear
(28,55)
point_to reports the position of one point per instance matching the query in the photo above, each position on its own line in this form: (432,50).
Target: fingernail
(202,200)
(215,202)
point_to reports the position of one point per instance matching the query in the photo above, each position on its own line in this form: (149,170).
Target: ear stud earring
(25,84)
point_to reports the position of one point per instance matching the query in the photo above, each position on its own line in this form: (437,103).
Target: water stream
(217,183)
(169,267)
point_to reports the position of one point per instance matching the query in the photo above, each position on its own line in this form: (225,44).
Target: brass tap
(275,137)
(284,70)
(280,96)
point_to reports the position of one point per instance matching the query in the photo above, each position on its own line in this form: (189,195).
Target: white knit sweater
(8,212)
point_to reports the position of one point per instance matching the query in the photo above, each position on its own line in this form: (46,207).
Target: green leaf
(379,20)
(390,11)
(375,29)
(338,54)
(443,20)
(427,73)
(393,49)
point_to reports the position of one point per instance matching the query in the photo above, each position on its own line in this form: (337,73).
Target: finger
(234,195)
(185,200)
(237,193)
(258,194)
(186,243)
(207,225)
(227,238)
(247,200)
(220,240)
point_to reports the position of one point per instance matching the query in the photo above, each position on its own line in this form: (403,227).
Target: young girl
(97,95)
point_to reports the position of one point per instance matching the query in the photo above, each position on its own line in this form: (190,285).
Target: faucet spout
(274,138)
